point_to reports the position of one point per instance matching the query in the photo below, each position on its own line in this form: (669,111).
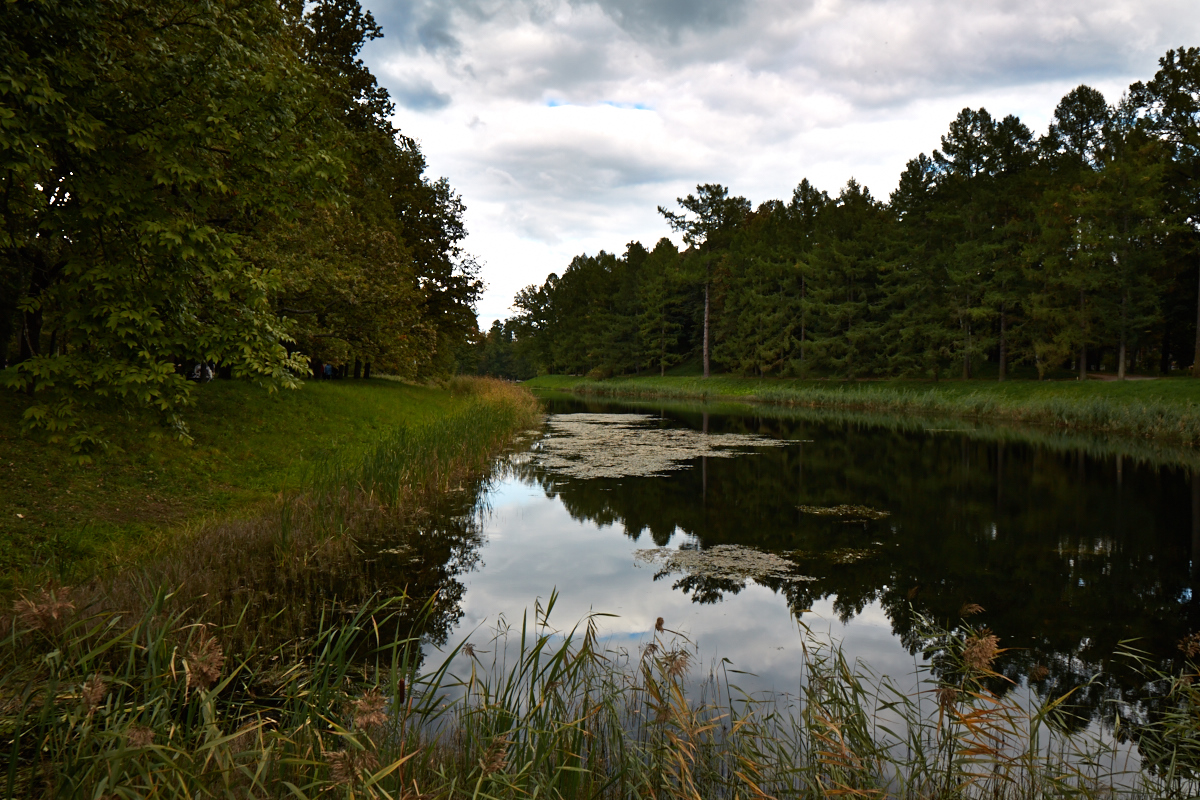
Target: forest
(1000,253)
(211,186)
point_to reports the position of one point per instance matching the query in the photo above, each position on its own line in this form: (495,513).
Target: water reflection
(1069,553)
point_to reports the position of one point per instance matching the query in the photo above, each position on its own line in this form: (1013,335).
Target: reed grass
(1167,410)
(149,704)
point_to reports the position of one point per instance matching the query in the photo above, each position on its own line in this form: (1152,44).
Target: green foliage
(142,145)
(210,183)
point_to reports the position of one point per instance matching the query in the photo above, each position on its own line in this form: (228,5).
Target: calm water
(1068,553)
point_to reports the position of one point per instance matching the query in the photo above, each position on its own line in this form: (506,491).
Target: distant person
(329,372)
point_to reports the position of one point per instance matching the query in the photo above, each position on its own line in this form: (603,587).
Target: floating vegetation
(855,512)
(723,561)
(631,445)
(848,555)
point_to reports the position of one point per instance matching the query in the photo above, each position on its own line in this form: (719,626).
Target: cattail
(970,610)
(347,767)
(204,661)
(93,691)
(139,736)
(981,650)
(659,625)
(369,710)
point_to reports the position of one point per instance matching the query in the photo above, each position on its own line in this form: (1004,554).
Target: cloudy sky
(564,123)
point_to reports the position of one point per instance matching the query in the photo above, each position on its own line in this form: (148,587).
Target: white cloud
(564,123)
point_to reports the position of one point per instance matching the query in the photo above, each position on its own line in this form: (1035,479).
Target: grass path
(248,445)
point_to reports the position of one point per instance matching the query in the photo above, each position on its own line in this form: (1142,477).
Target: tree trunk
(967,354)
(706,285)
(1003,344)
(357,369)
(803,319)
(1121,353)
(1196,358)
(366,370)
(1164,363)
(1082,341)
(31,335)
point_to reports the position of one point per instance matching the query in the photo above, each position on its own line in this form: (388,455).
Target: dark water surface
(1070,550)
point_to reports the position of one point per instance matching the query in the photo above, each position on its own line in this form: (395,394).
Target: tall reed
(150,705)
(1176,422)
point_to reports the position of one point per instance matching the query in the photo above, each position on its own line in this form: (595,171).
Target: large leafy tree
(141,144)
(381,275)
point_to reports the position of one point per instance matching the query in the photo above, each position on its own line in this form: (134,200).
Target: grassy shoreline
(184,681)
(1165,410)
(62,519)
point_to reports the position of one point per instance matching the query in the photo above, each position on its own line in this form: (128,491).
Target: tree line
(213,182)
(1076,249)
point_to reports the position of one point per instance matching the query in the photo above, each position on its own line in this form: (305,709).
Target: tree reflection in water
(1071,546)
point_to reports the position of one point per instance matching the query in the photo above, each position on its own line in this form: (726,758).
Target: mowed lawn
(61,519)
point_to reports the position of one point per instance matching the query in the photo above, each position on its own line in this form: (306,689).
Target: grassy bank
(60,518)
(226,665)
(1166,410)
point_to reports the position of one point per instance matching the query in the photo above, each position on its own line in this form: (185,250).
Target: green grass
(1166,410)
(247,446)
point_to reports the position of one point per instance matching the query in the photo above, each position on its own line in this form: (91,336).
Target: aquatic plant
(630,445)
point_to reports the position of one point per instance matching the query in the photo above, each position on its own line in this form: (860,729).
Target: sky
(564,124)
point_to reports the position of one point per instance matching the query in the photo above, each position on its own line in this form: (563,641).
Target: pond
(741,527)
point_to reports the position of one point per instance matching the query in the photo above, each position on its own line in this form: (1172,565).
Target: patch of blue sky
(555,103)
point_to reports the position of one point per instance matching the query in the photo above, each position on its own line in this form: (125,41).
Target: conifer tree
(658,326)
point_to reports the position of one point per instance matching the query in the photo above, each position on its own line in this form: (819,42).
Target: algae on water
(722,561)
(851,511)
(631,445)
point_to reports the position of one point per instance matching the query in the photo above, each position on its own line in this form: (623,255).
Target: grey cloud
(417,94)
(414,24)
(580,168)
(644,19)
(872,53)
